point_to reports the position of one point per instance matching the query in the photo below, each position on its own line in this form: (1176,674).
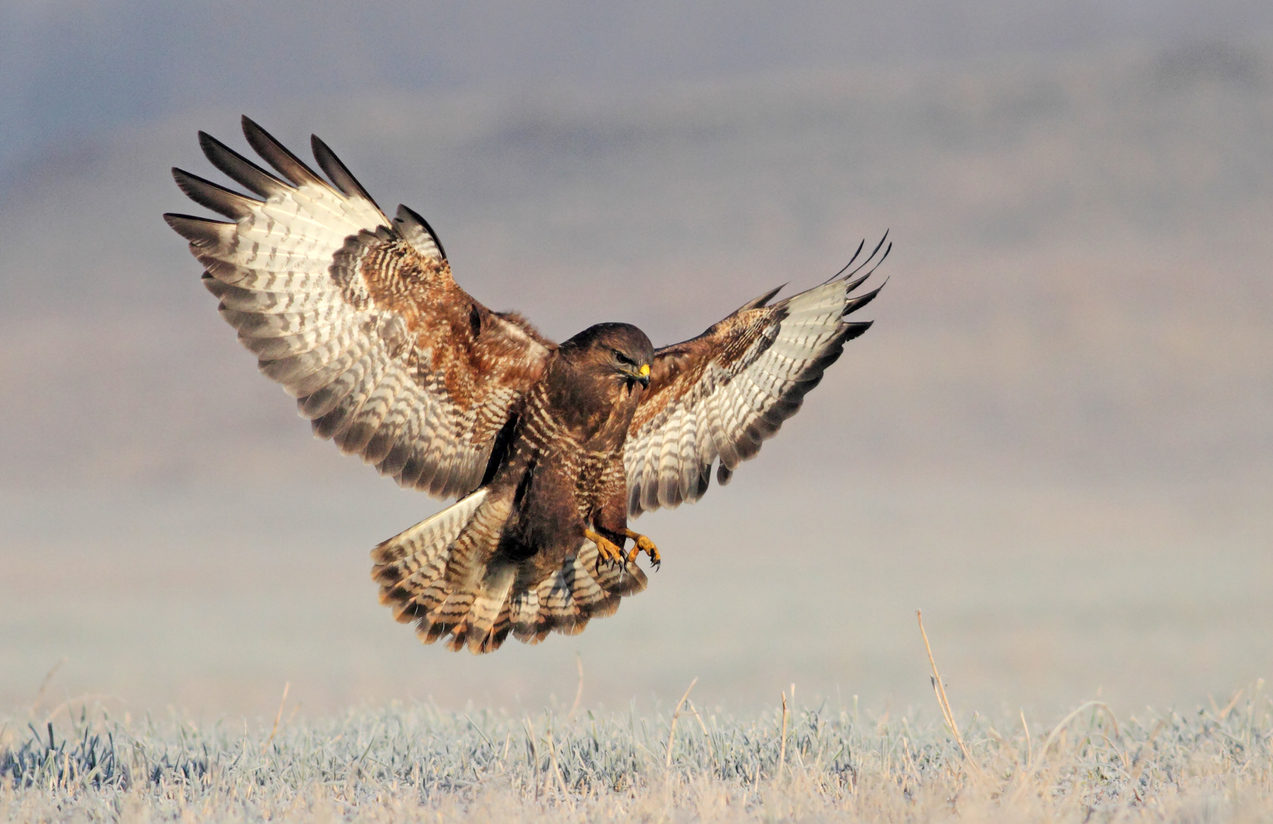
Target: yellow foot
(643,544)
(607,550)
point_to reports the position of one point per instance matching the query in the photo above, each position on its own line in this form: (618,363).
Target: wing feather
(338,171)
(278,156)
(357,315)
(715,398)
(239,168)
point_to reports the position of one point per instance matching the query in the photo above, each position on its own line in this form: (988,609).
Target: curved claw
(607,550)
(643,544)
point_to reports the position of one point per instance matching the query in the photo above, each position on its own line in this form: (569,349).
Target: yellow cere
(645,370)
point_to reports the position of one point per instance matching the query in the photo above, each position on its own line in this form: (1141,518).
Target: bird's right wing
(358,316)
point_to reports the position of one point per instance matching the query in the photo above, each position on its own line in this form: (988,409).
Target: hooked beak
(640,374)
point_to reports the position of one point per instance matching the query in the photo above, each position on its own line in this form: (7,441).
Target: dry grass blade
(1029,746)
(782,747)
(1061,725)
(1222,714)
(278,716)
(943,701)
(711,748)
(671,733)
(574,707)
(554,765)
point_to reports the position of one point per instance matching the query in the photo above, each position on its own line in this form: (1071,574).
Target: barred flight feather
(737,382)
(274,268)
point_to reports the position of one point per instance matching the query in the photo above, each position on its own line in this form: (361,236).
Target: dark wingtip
(852,259)
(277,155)
(238,167)
(854,267)
(855,329)
(213,196)
(407,214)
(763,300)
(249,126)
(338,172)
(857,302)
(177,221)
(207,142)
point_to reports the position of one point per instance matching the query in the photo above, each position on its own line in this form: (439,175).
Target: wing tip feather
(278,155)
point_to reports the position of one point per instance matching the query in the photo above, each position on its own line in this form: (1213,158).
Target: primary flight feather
(550,447)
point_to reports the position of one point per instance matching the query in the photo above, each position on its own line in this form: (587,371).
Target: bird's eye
(622,358)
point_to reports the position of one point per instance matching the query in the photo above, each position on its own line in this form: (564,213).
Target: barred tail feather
(572,595)
(445,575)
(409,565)
(486,625)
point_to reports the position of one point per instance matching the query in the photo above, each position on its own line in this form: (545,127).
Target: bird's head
(618,349)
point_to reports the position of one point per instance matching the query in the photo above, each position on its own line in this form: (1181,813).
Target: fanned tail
(409,565)
(446,575)
(570,596)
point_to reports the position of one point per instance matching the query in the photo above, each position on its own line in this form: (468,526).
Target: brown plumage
(550,447)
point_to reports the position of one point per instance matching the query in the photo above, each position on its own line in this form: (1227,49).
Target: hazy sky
(73,68)
(1057,430)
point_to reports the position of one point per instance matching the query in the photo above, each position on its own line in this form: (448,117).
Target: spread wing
(716,397)
(358,316)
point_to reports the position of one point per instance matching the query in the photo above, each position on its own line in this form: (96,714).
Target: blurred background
(1055,441)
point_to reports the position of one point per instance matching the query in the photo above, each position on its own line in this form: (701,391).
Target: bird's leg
(643,544)
(607,550)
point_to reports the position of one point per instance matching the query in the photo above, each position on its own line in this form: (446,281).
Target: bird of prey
(549,447)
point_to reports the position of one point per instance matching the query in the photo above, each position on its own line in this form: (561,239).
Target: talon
(607,550)
(643,544)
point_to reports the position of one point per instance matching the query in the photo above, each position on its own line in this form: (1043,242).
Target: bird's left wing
(358,316)
(716,397)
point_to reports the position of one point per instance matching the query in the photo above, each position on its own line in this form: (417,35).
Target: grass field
(800,761)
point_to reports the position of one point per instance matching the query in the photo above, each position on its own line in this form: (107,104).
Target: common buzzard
(549,447)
